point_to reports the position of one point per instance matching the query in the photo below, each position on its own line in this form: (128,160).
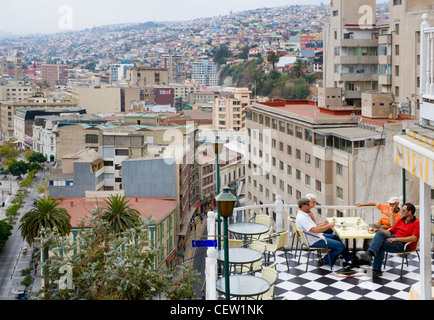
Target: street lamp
(226,201)
(218,146)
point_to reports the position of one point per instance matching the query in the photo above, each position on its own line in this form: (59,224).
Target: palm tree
(44,214)
(119,214)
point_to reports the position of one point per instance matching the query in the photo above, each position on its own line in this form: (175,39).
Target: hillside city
(271,103)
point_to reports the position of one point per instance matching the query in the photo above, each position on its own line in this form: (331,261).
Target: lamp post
(226,200)
(218,145)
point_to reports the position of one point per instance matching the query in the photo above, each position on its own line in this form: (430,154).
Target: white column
(211,260)
(425,240)
(424,57)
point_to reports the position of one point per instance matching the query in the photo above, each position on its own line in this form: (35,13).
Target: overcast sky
(48,16)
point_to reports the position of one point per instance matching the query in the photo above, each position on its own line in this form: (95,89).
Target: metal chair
(235,243)
(255,266)
(271,276)
(295,234)
(265,220)
(404,254)
(277,244)
(305,243)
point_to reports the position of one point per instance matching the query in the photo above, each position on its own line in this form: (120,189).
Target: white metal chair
(278,243)
(271,276)
(404,254)
(295,234)
(235,243)
(251,268)
(305,243)
(265,220)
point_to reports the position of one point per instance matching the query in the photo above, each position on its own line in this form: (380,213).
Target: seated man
(387,219)
(393,240)
(315,235)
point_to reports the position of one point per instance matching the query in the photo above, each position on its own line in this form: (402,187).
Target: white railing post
(279,213)
(211,260)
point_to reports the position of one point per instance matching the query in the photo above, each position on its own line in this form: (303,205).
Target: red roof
(80,207)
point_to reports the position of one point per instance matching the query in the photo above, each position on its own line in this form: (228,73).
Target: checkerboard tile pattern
(320,283)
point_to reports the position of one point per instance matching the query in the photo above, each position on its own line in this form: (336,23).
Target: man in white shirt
(315,235)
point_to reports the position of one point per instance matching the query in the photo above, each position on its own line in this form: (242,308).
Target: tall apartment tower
(351,49)
(177,68)
(205,72)
(363,56)
(230,113)
(404,29)
(18,67)
(4,66)
(55,74)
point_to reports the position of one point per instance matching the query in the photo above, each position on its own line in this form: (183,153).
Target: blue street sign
(203,243)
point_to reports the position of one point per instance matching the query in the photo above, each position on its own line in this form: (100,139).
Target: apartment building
(351,49)
(45,130)
(205,72)
(8,110)
(363,56)
(55,74)
(296,147)
(177,67)
(229,113)
(16,91)
(24,120)
(118,71)
(145,76)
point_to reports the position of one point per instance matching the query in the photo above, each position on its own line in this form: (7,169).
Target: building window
(307,179)
(339,169)
(318,163)
(318,185)
(290,129)
(299,132)
(298,154)
(91,138)
(298,174)
(307,156)
(121,152)
(340,192)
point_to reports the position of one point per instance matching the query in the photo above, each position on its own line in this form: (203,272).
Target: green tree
(273,59)
(18,168)
(221,54)
(109,266)
(44,215)
(5,232)
(37,157)
(119,214)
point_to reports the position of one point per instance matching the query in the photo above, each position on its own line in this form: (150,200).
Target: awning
(415,153)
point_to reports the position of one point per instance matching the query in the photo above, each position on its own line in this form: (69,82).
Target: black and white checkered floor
(320,283)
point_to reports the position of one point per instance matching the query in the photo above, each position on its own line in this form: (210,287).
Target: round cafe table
(248,229)
(240,256)
(243,286)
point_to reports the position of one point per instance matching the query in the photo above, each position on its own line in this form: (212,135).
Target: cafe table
(240,256)
(248,229)
(355,228)
(243,286)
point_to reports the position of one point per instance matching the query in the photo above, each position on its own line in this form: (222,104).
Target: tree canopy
(110,266)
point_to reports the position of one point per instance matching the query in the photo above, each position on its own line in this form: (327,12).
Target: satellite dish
(353,115)
(343,98)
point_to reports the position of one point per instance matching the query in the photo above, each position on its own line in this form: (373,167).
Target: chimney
(72,203)
(137,199)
